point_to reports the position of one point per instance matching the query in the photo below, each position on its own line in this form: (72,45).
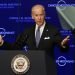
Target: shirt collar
(41,25)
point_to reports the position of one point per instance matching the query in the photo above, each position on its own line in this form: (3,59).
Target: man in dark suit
(42,36)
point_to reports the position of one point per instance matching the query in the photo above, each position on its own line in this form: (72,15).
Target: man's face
(39,16)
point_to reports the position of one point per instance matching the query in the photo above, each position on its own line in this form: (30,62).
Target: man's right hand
(1,40)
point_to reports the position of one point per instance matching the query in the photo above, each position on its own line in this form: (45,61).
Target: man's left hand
(65,41)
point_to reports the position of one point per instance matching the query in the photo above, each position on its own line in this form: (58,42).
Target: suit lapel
(33,35)
(43,35)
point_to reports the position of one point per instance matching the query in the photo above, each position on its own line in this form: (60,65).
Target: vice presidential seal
(20,64)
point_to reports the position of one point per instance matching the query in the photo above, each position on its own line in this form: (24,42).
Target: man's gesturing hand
(1,41)
(65,41)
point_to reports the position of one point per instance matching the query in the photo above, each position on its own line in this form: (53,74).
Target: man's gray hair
(37,5)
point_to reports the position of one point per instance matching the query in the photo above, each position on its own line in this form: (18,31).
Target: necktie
(37,36)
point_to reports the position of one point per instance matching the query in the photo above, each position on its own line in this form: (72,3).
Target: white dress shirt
(41,29)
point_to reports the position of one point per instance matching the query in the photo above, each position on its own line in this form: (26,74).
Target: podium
(36,58)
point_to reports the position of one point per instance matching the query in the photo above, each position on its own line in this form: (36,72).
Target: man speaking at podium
(42,36)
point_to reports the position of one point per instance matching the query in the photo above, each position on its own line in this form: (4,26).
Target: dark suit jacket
(49,39)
